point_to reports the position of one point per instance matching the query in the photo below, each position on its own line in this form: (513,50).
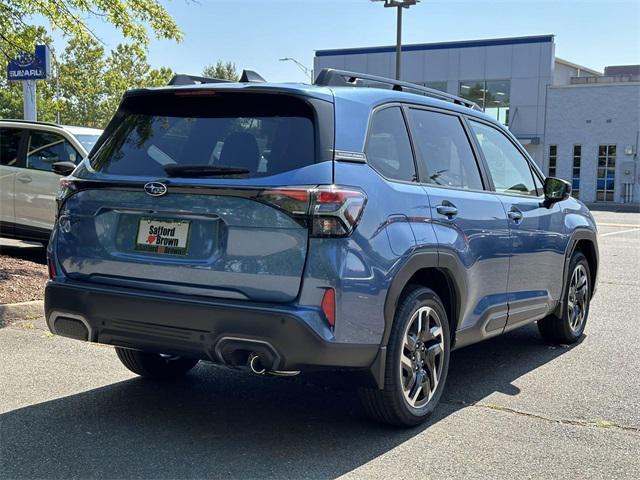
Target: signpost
(28,68)
(399,4)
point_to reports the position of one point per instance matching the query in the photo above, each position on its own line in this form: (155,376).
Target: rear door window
(445,149)
(388,146)
(262,134)
(46,148)
(10,146)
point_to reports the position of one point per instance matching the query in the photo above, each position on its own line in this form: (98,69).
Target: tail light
(336,211)
(328,211)
(67,187)
(294,201)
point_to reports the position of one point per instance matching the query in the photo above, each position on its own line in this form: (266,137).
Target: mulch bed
(21,280)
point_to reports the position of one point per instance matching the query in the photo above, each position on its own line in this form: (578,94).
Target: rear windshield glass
(259,134)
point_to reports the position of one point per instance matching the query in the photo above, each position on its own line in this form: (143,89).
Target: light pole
(399,4)
(307,71)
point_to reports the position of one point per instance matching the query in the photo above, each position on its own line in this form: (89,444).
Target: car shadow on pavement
(34,252)
(221,423)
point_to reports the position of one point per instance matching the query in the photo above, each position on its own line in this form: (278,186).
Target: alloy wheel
(578,298)
(422,357)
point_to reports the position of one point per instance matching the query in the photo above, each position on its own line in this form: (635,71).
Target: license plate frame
(169,236)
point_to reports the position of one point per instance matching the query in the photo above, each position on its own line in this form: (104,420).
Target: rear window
(263,134)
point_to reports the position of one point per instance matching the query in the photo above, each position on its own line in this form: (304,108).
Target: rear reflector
(52,269)
(329,306)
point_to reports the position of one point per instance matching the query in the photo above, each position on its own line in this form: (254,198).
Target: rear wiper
(203,170)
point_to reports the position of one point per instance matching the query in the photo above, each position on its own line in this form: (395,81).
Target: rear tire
(155,365)
(417,361)
(570,327)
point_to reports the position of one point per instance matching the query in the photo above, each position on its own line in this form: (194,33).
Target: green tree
(130,17)
(81,85)
(127,67)
(221,70)
(89,84)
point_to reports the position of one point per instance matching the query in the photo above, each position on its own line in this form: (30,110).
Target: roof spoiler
(343,78)
(248,76)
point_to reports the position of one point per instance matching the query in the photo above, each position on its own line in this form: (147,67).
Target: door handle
(515,215)
(24,178)
(447,209)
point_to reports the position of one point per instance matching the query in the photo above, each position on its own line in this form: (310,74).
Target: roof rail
(248,76)
(35,122)
(341,78)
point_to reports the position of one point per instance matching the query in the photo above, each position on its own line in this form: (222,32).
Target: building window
(606,173)
(492,96)
(575,176)
(553,160)
(442,86)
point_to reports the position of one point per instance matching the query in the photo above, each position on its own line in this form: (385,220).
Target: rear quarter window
(264,134)
(388,147)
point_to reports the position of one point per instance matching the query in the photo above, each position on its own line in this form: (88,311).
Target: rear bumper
(293,339)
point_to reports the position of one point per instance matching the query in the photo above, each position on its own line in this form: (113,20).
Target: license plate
(169,237)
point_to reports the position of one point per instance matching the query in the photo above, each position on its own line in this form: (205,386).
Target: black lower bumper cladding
(194,327)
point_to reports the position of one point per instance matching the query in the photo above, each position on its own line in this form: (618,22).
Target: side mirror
(556,190)
(63,168)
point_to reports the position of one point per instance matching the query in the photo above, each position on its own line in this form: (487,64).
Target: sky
(254,34)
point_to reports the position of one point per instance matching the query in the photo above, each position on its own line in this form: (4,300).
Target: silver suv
(33,157)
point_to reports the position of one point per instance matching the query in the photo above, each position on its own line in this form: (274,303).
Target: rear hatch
(188,192)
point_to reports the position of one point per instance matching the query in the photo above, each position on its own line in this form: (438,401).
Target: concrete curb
(11,312)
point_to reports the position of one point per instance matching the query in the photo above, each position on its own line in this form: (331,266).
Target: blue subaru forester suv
(289,228)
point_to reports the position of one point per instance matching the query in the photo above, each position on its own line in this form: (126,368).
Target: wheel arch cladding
(425,269)
(441,282)
(584,241)
(421,269)
(588,249)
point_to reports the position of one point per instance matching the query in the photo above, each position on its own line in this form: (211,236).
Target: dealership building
(576,123)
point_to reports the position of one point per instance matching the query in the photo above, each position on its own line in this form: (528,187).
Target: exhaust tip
(256,365)
(71,328)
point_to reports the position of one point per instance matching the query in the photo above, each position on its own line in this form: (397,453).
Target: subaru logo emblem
(155,189)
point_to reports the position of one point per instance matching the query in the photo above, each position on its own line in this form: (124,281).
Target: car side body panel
(395,225)
(478,239)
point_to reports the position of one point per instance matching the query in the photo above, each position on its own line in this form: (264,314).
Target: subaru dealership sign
(27,66)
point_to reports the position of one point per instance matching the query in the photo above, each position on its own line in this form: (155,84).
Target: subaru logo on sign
(155,189)
(30,66)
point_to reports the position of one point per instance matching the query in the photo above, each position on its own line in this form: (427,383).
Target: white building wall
(563,71)
(593,115)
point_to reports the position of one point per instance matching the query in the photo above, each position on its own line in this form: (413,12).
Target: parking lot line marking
(637,229)
(617,225)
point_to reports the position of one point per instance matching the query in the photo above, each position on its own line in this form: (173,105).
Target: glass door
(606,173)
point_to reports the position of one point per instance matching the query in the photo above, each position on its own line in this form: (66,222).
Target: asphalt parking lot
(513,407)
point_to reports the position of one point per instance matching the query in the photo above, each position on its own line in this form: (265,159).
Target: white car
(29,152)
